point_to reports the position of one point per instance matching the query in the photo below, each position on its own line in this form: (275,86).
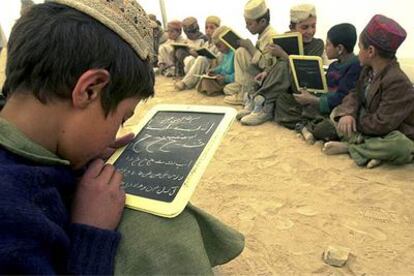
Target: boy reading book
(60,204)
(166,58)
(197,64)
(223,73)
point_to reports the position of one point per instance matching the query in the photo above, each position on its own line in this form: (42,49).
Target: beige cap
(218,32)
(213,20)
(189,22)
(255,9)
(174,25)
(302,12)
(125,17)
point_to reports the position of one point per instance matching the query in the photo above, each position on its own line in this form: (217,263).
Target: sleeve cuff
(323,104)
(92,249)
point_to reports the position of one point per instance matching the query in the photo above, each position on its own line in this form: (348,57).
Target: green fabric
(322,128)
(191,243)
(395,148)
(323,104)
(314,48)
(15,141)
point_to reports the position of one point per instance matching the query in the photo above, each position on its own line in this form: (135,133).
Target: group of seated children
(76,70)
(368,111)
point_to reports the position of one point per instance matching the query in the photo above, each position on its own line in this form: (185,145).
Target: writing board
(308,73)
(171,150)
(231,39)
(291,43)
(206,53)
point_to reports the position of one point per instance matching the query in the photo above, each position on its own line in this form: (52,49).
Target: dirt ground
(291,201)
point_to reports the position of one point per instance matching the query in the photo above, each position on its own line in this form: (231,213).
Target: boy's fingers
(106,173)
(122,141)
(95,168)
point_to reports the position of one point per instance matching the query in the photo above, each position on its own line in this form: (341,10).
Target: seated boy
(313,123)
(303,19)
(224,72)
(376,119)
(184,57)
(250,63)
(166,58)
(198,65)
(66,99)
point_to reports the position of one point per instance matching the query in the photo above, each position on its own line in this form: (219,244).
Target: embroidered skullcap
(175,25)
(212,19)
(302,12)
(255,9)
(384,33)
(125,17)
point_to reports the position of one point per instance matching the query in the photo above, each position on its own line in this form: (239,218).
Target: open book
(206,76)
(205,52)
(172,148)
(179,45)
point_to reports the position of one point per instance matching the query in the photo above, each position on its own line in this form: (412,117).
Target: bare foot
(331,148)
(373,163)
(309,138)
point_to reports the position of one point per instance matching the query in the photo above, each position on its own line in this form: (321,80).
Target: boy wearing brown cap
(60,204)
(198,65)
(166,58)
(376,119)
(184,57)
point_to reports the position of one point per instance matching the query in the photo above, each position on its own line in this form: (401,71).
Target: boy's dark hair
(344,34)
(52,45)
(384,54)
(266,17)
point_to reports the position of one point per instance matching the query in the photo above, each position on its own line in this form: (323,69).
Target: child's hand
(118,143)
(305,98)
(261,76)
(248,45)
(193,53)
(99,199)
(211,72)
(277,51)
(347,125)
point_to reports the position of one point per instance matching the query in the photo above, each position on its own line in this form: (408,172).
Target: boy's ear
(372,51)
(341,49)
(89,87)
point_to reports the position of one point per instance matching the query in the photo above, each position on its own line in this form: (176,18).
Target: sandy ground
(291,201)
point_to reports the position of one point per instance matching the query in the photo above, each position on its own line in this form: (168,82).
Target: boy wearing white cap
(263,68)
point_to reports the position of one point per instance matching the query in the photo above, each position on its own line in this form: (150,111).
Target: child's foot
(373,163)
(179,85)
(309,138)
(331,148)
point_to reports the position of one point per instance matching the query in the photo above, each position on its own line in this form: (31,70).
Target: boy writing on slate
(198,65)
(224,72)
(313,122)
(376,119)
(166,58)
(60,205)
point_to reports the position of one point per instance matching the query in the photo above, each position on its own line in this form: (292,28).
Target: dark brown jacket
(388,105)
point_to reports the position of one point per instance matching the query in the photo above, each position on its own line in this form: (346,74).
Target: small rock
(336,255)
